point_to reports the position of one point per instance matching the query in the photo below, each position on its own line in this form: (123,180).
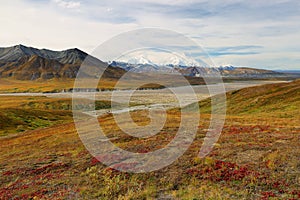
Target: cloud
(232,53)
(198,51)
(234,50)
(260,32)
(67,4)
(54,28)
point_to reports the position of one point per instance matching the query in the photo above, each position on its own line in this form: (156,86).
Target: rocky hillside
(27,63)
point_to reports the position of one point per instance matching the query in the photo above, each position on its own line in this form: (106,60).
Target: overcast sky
(264,34)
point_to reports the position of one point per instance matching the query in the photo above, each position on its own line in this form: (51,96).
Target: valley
(149,100)
(255,158)
(43,107)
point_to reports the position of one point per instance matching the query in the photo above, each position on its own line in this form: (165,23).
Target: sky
(262,34)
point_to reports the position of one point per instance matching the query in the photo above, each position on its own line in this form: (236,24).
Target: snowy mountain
(181,60)
(159,59)
(140,60)
(227,67)
(175,66)
(143,67)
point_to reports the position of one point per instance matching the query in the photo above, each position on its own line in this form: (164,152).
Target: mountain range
(193,70)
(28,63)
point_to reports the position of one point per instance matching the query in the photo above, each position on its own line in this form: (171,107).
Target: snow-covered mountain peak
(159,59)
(140,60)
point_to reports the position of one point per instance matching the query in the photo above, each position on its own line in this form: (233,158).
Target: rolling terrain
(272,99)
(19,113)
(257,156)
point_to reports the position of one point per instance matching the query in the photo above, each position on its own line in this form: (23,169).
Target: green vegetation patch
(19,120)
(281,99)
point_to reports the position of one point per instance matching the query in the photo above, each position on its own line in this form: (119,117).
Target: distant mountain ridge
(159,59)
(28,63)
(200,71)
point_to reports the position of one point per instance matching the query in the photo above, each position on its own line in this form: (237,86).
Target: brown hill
(240,72)
(27,63)
(280,99)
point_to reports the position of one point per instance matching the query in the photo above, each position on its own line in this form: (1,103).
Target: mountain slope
(280,99)
(27,63)
(230,71)
(70,56)
(247,72)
